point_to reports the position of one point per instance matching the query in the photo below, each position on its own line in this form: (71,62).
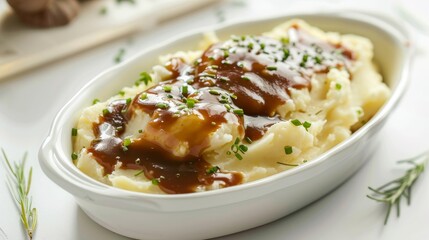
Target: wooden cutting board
(23,48)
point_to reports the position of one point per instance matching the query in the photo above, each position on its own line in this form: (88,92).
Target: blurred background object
(23,47)
(37,32)
(45,13)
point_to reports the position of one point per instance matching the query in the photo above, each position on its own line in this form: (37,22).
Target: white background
(29,102)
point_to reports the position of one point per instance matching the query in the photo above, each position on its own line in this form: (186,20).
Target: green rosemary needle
(392,192)
(19,186)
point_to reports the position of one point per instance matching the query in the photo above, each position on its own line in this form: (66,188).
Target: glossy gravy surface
(241,81)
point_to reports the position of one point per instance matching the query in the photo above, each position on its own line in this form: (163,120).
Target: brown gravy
(241,81)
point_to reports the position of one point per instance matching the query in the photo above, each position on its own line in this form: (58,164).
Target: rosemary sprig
(19,187)
(392,192)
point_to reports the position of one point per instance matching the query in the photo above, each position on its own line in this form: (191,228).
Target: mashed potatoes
(236,111)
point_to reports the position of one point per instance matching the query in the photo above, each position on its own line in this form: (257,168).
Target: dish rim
(97,189)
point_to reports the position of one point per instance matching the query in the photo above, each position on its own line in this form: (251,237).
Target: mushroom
(45,13)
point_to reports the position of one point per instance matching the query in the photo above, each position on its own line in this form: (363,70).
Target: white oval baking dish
(229,210)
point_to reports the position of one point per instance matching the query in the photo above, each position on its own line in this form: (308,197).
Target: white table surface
(29,102)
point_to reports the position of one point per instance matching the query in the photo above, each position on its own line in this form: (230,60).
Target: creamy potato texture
(326,99)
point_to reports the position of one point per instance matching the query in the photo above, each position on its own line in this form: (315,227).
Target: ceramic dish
(215,213)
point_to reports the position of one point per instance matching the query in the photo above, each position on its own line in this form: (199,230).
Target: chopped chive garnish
(190,103)
(248,140)
(140,130)
(145,78)
(288,150)
(122,93)
(106,111)
(119,55)
(103,11)
(207,75)
(271,68)
(74,132)
(306,125)
(338,86)
(238,111)
(74,156)
(213,169)
(245,78)
(155,181)
(286,54)
(318,60)
(285,40)
(233,96)
(262,46)
(138,173)
(305,58)
(224,79)
(169,96)
(162,105)
(185,90)
(126,1)
(228,107)
(167,88)
(214,92)
(296,122)
(127,142)
(214,66)
(243,148)
(128,101)
(225,53)
(95,101)
(143,96)
(238,148)
(250,45)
